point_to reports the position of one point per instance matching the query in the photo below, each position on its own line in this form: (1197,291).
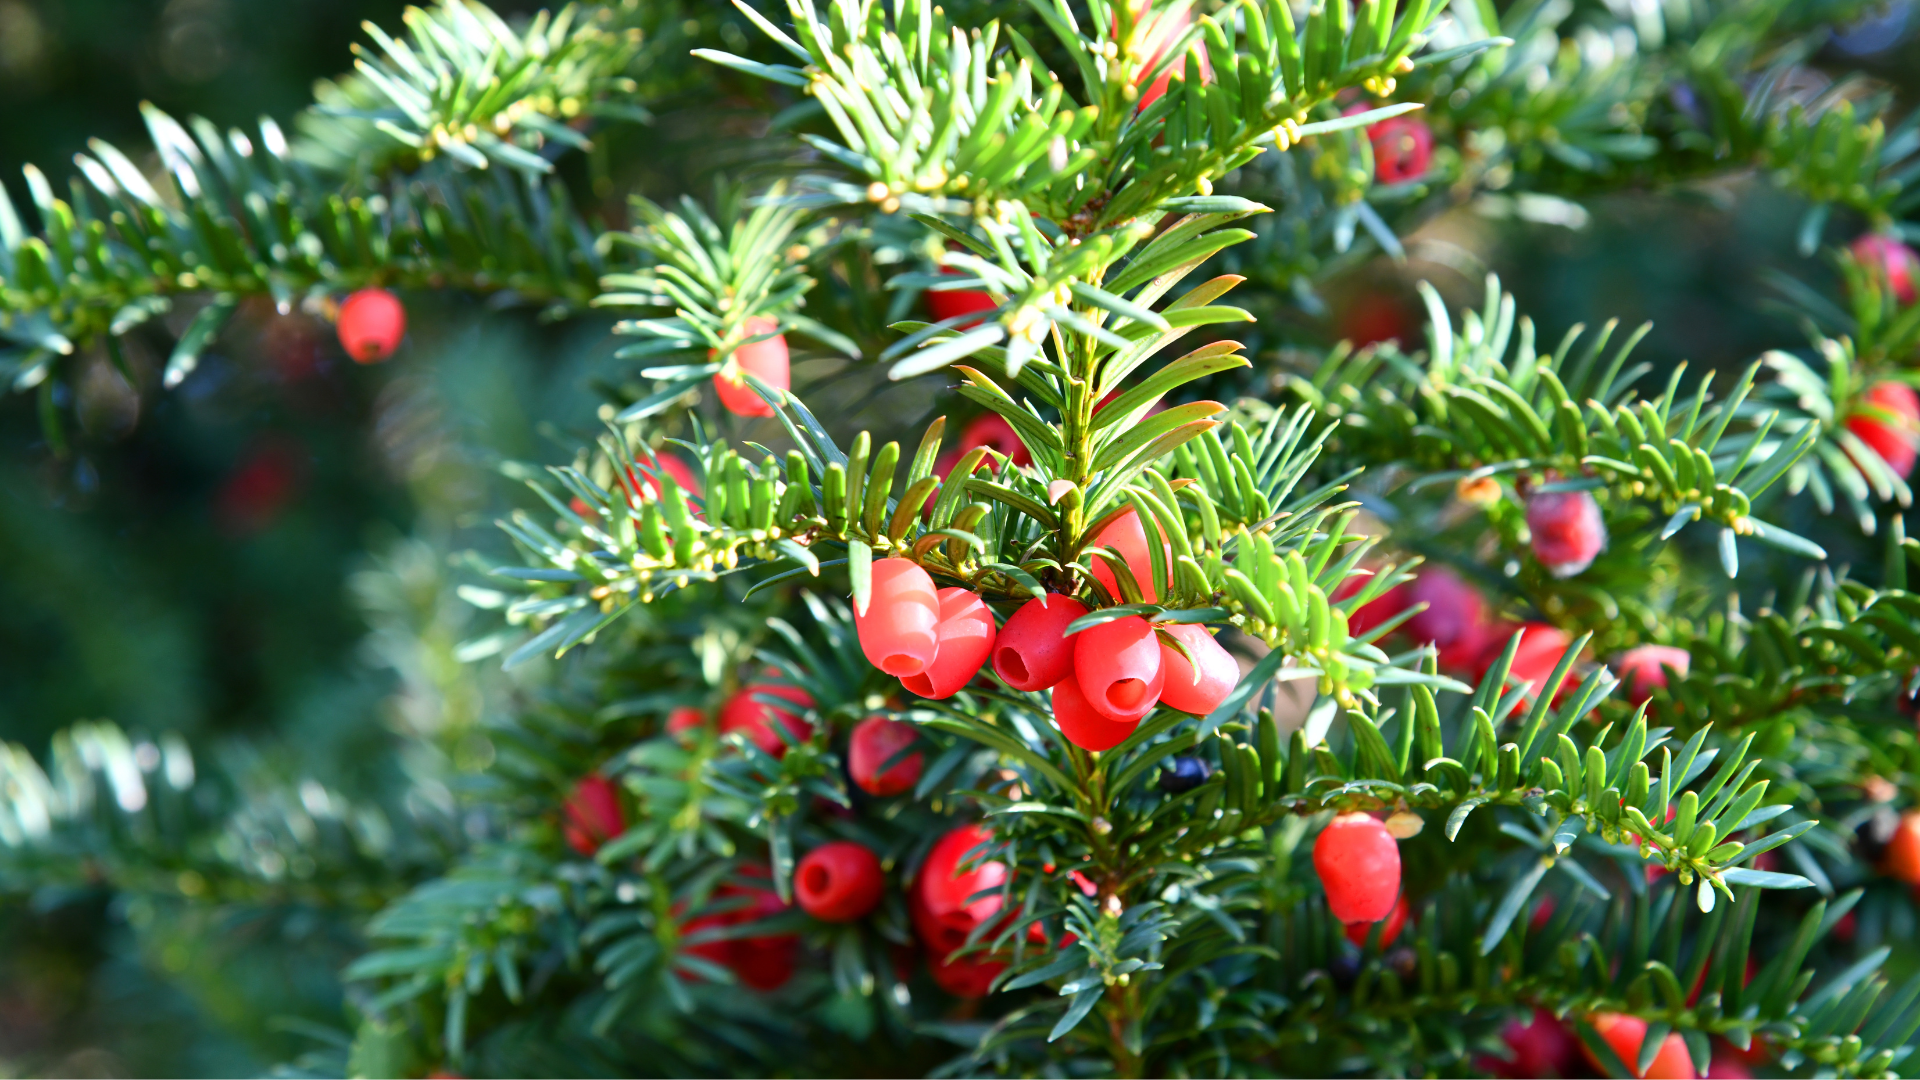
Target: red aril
(682,719)
(964,977)
(1894,261)
(593,814)
(1541,1047)
(1358,932)
(1455,620)
(990,430)
(1626,1034)
(1359,866)
(744,713)
(898,631)
(1402,149)
(371,324)
(766,360)
(1902,856)
(1888,421)
(1082,725)
(1375,611)
(876,741)
(1643,669)
(945,891)
(1032,651)
(944,304)
(1155,33)
(1117,665)
(764,962)
(644,478)
(1541,647)
(1568,532)
(838,882)
(1184,688)
(1126,535)
(965,640)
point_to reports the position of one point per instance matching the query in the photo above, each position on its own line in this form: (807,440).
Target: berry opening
(816,880)
(902,665)
(1011,665)
(1126,694)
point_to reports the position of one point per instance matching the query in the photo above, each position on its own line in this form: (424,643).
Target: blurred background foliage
(261,554)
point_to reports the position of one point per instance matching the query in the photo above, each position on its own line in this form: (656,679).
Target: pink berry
(1117,665)
(1197,692)
(371,324)
(1358,861)
(1127,536)
(1643,669)
(874,742)
(839,882)
(766,360)
(1892,426)
(1892,259)
(1359,932)
(965,635)
(1568,532)
(593,814)
(1082,725)
(1032,651)
(899,631)
(1402,149)
(1455,620)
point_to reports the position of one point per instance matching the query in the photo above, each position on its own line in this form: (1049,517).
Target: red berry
(1375,611)
(766,360)
(643,478)
(1126,535)
(1117,665)
(1373,318)
(744,713)
(1402,149)
(685,718)
(1358,932)
(765,962)
(838,882)
(263,486)
(1199,692)
(1081,724)
(899,631)
(1894,260)
(1724,1066)
(716,952)
(1541,647)
(874,742)
(965,637)
(1155,34)
(371,324)
(1625,1034)
(1541,1047)
(944,304)
(593,814)
(1643,669)
(1032,651)
(1359,865)
(942,893)
(965,977)
(990,430)
(1568,532)
(1902,857)
(1888,421)
(1455,619)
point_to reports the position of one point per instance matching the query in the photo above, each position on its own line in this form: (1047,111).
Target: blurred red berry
(754,718)
(874,742)
(1402,149)
(1032,652)
(1117,665)
(899,630)
(965,639)
(944,304)
(685,718)
(1643,669)
(593,814)
(1897,264)
(1358,862)
(264,484)
(839,882)
(942,905)
(766,360)
(964,977)
(1541,1047)
(1155,33)
(1358,932)
(1455,620)
(1625,1034)
(1568,532)
(1375,611)
(371,324)
(1888,421)
(1902,855)
(1541,647)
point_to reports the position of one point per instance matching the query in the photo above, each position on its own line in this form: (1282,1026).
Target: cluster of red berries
(371,323)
